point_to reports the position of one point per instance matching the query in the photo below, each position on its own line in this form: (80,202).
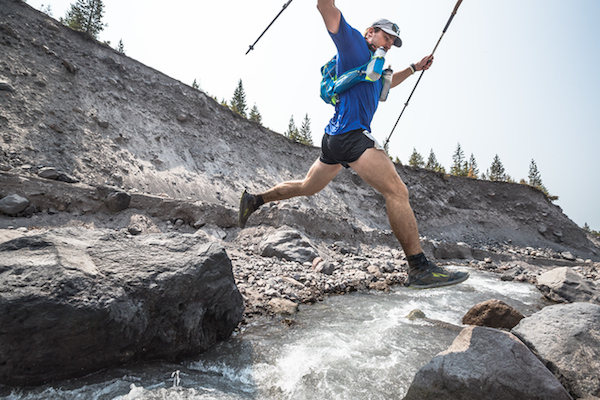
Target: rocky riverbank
(275,267)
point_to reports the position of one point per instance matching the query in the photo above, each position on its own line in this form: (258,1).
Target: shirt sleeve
(351,46)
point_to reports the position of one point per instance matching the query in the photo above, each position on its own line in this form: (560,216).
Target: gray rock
(485,363)
(283,306)
(48,173)
(64,177)
(566,337)
(289,244)
(13,204)
(54,174)
(117,201)
(563,285)
(73,301)
(71,67)
(325,267)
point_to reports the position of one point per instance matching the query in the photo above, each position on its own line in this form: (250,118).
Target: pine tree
(46,9)
(85,16)
(433,164)
(472,169)
(238,102)
(416,159)
(535,179)
(195,84)
(459,164)
(121,47)
(496,172)
(292,132)
(305,135)
(255,115)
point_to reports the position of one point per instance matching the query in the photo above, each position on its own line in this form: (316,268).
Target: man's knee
(399,191)
(310,190)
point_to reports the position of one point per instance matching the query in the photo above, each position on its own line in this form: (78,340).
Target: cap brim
(397,41)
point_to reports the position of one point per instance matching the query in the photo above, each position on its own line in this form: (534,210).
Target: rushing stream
(357,346)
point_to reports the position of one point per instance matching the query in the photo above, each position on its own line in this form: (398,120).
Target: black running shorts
(347,147)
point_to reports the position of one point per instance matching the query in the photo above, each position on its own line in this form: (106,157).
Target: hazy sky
(516,78)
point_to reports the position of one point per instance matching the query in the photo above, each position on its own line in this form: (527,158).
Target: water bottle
(375,66)
(387,83)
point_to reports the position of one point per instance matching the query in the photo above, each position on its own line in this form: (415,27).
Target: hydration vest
(332,85)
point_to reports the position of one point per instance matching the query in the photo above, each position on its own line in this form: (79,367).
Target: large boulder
(485,363)
(566,337)
(289,244)
(74,301)
(563,285)
(13,204)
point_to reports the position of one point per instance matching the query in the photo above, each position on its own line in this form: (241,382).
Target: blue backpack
(332,85)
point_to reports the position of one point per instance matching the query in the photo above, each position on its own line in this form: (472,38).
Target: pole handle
(456,7)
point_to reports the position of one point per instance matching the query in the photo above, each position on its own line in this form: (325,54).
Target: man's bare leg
(376,169)
(319,175)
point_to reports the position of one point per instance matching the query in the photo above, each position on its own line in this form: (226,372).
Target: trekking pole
(261,35)
(422,72)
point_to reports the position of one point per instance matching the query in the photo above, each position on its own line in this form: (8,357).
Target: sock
(417,260)
(259,201)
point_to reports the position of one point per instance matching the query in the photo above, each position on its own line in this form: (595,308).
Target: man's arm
(400,76)
(331,15)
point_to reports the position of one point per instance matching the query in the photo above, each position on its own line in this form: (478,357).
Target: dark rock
(6,87)
(68,308)
(485,363)
(134,229)
(64,177)
(71,67)
(493,314)
(117,201)
(453,251)
(566,338)
(13,204)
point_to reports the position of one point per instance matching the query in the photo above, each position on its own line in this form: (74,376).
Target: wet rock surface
(566,338)
(486,363)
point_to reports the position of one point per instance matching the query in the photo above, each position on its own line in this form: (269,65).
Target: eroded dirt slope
(77,105)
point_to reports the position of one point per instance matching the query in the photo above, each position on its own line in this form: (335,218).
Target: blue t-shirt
(357,105)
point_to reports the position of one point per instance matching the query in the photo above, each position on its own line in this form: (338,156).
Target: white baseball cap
(389,27)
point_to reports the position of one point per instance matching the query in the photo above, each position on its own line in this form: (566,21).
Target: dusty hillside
(72,103)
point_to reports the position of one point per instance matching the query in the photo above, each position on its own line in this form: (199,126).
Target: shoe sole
(241,220)
(438,284)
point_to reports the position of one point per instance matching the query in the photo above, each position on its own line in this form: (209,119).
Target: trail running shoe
(248,204)
(433,276)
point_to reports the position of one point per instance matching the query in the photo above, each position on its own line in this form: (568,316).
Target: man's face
(380,39)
